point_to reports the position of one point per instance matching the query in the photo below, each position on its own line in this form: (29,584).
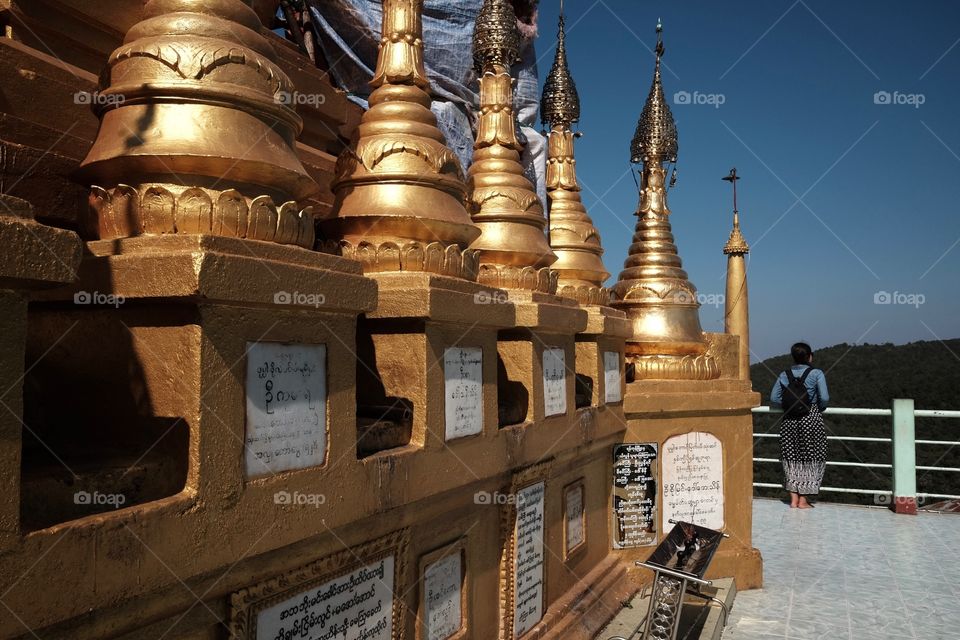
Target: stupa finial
(496,40)
(560,103)
(655,139)
(736,243)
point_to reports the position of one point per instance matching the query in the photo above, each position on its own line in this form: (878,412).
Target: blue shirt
(816,384)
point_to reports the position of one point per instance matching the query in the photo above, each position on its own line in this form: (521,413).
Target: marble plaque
(286,407)
(612,386)
(354,606)
(692,471)
(554,382)
(442,583)
(574,526)
(528,559)
(463,387)
(634,495)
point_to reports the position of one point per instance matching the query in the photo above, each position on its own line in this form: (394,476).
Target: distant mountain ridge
(871,375)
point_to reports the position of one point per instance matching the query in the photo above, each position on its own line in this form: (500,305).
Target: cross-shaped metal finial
(732,179)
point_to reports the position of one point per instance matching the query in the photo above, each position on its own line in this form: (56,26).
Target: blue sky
(850,197)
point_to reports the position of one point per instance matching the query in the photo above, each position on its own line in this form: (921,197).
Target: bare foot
(804,505)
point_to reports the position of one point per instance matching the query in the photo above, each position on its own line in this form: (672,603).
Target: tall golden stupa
(514,253)
(653,288)
(572,235)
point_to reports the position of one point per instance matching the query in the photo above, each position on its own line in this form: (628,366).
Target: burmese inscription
(693,479)
(463,384)
(441,591)
(528,559)
(573,523)
(612,389)
(354,606)
(286,407)
(554,382)
(634,495)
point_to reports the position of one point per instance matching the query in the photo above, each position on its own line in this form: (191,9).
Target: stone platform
(857,573)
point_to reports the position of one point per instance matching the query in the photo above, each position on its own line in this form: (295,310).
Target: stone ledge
(689,402)
(36,255)
(608,322)
(686,396)
(220,269)
(548,313)
(416,294)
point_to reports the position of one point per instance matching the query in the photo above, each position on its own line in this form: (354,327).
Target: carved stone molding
(154,209)
(674,292)
(432,257)
(688,367)
(372,152)
(543,280)
(585,295)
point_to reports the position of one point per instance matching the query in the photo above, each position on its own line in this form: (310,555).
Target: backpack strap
(803,376)
(790,376)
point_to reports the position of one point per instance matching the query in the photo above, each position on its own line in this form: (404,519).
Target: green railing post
(904,457)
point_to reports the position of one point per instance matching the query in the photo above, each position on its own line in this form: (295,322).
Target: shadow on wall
(94,438)
(383,421)
(513,398)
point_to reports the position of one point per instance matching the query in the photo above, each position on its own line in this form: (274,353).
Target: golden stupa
(653,289)
(400,191)
(514,253)
(196,135)
(572,235)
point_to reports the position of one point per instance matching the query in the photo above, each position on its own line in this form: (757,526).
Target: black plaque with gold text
(634,495)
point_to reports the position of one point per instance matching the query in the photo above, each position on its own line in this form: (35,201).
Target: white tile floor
(851,573)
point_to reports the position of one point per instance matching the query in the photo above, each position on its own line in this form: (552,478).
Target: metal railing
(903,464)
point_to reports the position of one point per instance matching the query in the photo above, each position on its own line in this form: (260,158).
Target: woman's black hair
(801,352)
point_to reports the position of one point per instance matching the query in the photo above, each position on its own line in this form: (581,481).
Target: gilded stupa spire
(653,289)
(736,312)
(655,139)
(560,103)
(514,253)
(573,237)
(399,193)
(736,243)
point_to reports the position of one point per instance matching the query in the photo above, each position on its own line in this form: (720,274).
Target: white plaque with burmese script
(286,407)
(357,605)
(692,479)
(612,390)
(554,382)
(441,591)
(463,385)
(528,559)
(573,518)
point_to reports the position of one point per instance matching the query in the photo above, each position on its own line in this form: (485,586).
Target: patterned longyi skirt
(803,452)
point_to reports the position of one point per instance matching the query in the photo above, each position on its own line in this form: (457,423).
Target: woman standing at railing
(801,391)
